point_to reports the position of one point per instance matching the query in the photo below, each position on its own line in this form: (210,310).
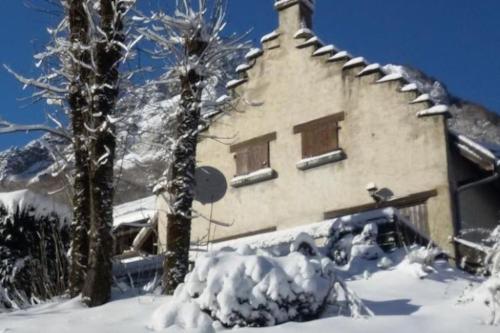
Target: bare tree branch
(8,128)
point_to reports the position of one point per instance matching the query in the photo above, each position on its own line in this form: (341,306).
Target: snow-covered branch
(7,128)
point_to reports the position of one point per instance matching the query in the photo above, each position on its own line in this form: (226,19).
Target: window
(320,136)
(252,160)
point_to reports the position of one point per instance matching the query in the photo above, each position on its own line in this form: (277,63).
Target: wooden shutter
(252,158)
(241,158)
(320,139)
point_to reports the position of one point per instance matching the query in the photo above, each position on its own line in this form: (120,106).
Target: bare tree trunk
(97,288)
(79,29)
(181,188)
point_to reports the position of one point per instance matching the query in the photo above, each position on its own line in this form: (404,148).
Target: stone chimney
(294,14)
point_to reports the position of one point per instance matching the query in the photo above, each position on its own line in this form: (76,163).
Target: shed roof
(134,211)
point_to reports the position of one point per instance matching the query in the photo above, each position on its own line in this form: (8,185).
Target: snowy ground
(400,300)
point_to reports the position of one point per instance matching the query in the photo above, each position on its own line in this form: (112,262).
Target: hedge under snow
(246,288)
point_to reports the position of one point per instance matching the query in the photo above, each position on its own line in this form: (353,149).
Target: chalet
(320,134)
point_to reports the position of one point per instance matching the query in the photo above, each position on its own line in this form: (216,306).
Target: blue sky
(456,41)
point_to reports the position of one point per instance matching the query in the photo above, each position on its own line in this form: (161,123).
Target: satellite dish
(211,185)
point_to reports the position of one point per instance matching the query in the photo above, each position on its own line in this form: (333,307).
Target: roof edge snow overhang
(475,152)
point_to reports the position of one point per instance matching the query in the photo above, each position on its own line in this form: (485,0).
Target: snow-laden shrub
(305,244)
(241,288)
(488,292)
(492,285)
(422,259)
(351,243)
(364,245)
(492,259)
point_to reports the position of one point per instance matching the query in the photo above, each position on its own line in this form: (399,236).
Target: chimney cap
(281,4)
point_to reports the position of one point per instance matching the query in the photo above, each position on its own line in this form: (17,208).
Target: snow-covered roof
(134,211)
(39,205)
(485,155)
(316,230)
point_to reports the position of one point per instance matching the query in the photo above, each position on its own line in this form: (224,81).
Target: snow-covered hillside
(139,157)
(444,301)
(468,118)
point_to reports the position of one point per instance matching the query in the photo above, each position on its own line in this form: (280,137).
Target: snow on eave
(391,77)
(311,41)
(339,56)
(134,211)
(270,36)
(325,50)
(354,62)
(222,100)
(37,204)
(478,148)
(473,156)
(436,110)
(410,87)
(303,33)
(422,98)
(254,53)
(243,68)
(235,83)
(372,68)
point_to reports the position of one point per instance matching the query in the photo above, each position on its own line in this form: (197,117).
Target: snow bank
(242,288)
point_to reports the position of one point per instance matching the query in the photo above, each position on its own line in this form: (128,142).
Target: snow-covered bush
(240,288)
(365,244)
(493,283)
(492,259)
(421,259)
(351,243)
(33,245)
(488,292)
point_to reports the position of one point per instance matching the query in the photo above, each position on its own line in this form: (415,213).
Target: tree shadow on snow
(397,307)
